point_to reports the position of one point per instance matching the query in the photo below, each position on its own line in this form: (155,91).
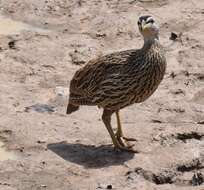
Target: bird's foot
(124,141)
(120,135)
(128,148)
(123,144)
(120,144)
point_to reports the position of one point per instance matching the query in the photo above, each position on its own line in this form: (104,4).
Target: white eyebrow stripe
(149,18)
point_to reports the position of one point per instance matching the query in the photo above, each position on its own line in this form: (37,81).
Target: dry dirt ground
(54,151)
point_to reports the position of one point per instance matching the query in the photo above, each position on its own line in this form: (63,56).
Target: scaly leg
(119,133)
(106,117)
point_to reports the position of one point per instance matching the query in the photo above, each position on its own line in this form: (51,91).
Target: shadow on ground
(90,156)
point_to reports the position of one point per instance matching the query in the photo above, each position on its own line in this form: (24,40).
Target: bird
(120,79)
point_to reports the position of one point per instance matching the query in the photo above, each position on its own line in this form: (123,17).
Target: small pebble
(172,75)
(173,36)
(200,122)
(40,142)
(109,187)
(43,186)
(156,121)
(11,44)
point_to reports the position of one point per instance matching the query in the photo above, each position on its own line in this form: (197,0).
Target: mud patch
(195,164)
(165,177)
(187,136)
(171,139)
(169,176)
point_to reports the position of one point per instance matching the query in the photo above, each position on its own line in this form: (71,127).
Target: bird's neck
(150,42)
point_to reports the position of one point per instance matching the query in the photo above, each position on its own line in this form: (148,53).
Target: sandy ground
(53,151)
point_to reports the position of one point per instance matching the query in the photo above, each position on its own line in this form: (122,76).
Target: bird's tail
(71,108)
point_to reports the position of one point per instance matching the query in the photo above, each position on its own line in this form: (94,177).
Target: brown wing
(92,81)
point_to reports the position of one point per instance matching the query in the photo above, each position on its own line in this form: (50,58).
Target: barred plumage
(120,79)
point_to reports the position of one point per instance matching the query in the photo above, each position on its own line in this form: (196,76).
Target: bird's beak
(144,25)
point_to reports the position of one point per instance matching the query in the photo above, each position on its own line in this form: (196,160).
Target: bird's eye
(150,21)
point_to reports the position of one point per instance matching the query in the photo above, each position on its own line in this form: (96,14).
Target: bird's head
(148,27)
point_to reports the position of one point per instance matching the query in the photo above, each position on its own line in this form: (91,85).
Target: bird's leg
(106,117)
(119,129)
(119,133)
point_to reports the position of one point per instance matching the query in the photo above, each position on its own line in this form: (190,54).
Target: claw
(129,139)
